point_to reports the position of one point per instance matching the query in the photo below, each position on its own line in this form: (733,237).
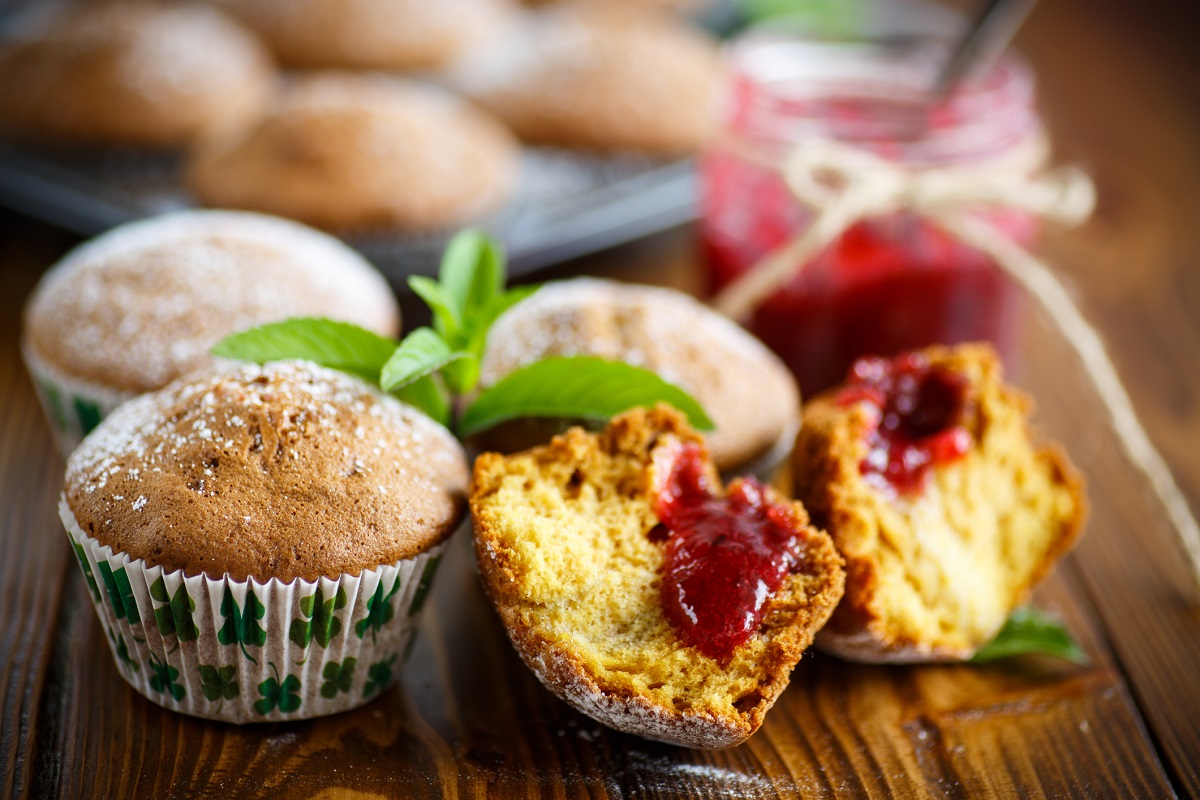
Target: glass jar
(889,283)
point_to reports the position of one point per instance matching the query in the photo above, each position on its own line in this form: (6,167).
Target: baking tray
(567,203)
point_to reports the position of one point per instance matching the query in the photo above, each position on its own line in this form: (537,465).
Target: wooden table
(1119,85)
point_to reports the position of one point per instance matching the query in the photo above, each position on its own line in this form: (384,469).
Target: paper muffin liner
(73,407)
(244,651)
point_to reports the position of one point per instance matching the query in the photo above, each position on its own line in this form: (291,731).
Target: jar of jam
(889,283)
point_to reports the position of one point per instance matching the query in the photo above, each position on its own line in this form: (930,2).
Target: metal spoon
(990,31)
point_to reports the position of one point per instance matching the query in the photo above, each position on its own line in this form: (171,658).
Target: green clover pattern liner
(244,651)
(73,407)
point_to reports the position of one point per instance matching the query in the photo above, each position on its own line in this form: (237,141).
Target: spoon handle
(991,29)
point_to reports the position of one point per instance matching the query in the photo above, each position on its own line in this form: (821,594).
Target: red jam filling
(724,556)
(921,409)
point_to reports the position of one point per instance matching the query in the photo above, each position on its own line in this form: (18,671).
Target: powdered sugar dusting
(180,48)
(142,304)
(134,73)
(267,456)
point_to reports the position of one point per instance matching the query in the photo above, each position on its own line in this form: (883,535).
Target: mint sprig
(421,353)
(337,345)
(575,387)
(435,368)
(1029,631)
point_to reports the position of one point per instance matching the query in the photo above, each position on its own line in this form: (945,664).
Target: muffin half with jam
(923,471)
(641,591)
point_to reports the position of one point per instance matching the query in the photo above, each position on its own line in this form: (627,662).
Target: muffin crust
(134,73)
(360,152)
(280,471)
(141,306)
(598,76)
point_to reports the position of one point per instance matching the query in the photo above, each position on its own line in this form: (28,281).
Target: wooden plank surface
(1121,85)
(469,720)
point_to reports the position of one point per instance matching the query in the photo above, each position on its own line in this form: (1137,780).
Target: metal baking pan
(567,203)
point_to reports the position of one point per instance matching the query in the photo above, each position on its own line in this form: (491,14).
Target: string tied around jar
(844,184)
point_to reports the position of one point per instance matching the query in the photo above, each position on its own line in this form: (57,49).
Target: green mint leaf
(1030,631)
(472,273)
(421,353)
(338,345)
(429,396)
(446,320)
(577,387)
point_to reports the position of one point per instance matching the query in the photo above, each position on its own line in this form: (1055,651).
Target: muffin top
(141,305)
(598,76)
(279,471)
(745,389)
(369,34)
(133,73)
(347,151)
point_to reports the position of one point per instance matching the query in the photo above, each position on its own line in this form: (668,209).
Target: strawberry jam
(919,421)
(725,556)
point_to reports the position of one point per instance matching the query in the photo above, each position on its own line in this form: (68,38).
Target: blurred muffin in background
(598,76)
(356,151)
(140,306)
(370,34)
(743,386)
(132,74)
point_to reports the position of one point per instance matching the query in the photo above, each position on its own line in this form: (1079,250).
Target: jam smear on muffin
(921,409)
(725,555)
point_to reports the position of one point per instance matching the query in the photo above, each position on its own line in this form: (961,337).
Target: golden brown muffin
(370,34)
(568,541)
(744,388)
(133,74)
(280,471)
(140,306)
(935,562)
(251,529)
(343,151)
(598,77)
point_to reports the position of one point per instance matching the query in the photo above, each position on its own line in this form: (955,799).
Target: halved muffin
(923,471)
(642,593)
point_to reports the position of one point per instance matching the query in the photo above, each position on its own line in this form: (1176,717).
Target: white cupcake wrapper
(205,653)
(72,406)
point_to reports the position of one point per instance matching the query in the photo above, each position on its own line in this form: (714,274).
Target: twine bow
(844,184)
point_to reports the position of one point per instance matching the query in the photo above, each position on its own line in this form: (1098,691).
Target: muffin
(747,392)
(140,306)
(370,34)
(343,151)
(257,543)
(923,471)
(133,74)
(641,593)
(598,77)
